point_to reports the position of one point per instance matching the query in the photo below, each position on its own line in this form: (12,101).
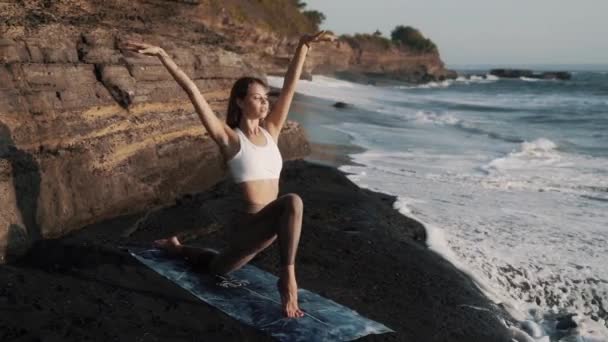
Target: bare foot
(288,289)
(171,245)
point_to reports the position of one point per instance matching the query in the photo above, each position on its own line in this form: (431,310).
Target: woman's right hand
(144,49)
(321,36)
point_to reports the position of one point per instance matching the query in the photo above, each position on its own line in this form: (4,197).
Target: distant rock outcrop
(341,105)
(518,73)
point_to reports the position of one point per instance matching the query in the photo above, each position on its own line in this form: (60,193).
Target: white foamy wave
(538,145)
(484,79)
(429,85)
(460,80)
(538,152)
(438,242)
(328,82)
(487,78)
(442,84)
(333,89)
(539,166)
(539,266)
(321,81)
(551,291)
(359,95)
(433,118)
(528,79)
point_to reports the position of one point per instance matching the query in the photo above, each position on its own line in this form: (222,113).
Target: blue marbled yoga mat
(250,296)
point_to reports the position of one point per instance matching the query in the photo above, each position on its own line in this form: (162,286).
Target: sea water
(509,177)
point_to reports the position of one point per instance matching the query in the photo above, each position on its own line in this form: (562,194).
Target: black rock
(556,75)
(342,105)
(566,322)
(511,73)
(517,73)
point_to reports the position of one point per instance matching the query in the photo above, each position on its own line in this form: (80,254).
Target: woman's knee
(294,203)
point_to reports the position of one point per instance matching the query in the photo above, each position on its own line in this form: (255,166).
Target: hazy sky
(485,31)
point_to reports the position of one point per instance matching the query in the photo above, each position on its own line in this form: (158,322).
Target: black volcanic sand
(355,249)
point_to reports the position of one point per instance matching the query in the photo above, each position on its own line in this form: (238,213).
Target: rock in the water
(511,73)
(559,75)
(566,322)
(341,105)
(518,73)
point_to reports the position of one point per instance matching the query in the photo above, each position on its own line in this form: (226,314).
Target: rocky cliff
(272,51)
(88,131)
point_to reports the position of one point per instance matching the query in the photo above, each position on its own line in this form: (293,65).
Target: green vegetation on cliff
(402,37)
(291,18)
(412,38)
(367,41)
(286,17)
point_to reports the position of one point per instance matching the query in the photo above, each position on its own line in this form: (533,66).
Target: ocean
(509,177)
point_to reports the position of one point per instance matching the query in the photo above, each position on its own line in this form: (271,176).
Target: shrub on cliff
(405,37)
(412,38)
(316,18)
(366,41)
(286,17)
(299,4)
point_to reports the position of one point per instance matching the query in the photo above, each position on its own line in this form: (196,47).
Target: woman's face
(255,104)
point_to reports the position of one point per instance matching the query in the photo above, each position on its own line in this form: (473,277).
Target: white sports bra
(254,162)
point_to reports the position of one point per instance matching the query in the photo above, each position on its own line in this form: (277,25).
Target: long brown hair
(239,91)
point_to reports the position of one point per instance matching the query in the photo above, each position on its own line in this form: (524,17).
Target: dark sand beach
(355,249)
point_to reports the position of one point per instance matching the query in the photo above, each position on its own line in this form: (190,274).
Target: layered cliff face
(391,63)
(272,52)
(88,131)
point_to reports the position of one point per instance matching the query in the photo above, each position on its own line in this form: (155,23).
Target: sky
(494,32)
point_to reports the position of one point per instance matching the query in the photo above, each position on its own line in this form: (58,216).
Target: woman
(255,163)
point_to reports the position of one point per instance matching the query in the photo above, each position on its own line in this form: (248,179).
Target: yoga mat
(249,295)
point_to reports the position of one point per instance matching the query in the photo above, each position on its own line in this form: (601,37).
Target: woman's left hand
(321,36)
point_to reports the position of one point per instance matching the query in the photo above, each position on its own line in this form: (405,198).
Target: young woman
(248,142)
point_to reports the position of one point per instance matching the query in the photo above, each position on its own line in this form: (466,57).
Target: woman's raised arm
(276,118)
(218,130)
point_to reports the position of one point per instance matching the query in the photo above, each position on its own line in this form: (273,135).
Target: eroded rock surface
(89,131)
